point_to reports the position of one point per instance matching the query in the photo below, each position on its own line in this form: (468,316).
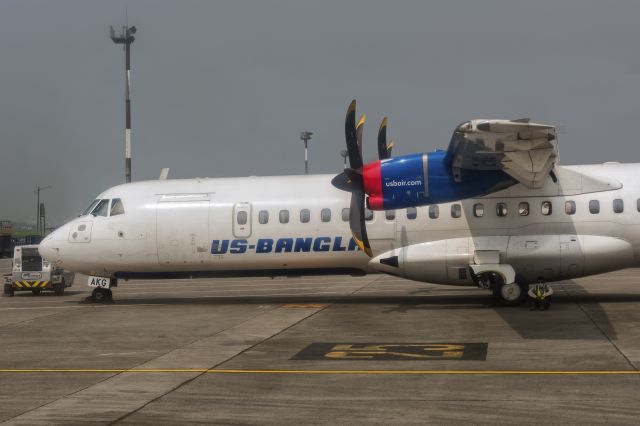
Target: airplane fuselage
(586,223)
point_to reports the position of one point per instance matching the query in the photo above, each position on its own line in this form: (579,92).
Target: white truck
(33,273)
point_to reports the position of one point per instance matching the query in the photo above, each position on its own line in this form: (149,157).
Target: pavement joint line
(116,372)
(44,404)
(599,328)
(218,364)
(329,372)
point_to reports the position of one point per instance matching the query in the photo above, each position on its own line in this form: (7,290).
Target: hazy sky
(224,88)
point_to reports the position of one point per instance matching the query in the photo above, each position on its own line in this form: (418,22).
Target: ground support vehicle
(32,273)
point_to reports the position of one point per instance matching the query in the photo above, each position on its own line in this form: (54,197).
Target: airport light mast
(126,38)
(40,209)
(305,137)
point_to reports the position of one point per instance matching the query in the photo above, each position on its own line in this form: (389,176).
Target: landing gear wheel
(36,292)
(101,295)
(58,289)
(8,290)
(513,294)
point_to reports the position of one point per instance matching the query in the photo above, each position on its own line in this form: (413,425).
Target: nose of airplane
(49,247)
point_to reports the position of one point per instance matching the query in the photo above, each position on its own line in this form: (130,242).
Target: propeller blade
(382,140)
(351,179)
(384,149)
(355,153)
(359,131)
(390,147)
(357,221)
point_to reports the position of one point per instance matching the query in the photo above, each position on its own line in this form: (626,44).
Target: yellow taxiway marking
(362,372)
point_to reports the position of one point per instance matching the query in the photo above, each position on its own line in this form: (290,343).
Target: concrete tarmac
(318,350)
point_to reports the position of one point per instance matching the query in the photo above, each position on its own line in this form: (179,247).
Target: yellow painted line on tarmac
(327,372)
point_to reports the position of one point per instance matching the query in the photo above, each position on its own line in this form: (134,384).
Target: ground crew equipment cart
(31,272)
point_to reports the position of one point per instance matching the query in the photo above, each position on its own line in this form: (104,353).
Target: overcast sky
(224,88)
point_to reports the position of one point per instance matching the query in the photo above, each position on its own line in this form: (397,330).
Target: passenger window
(594,206)
(263,217)
(284,216)
(390,214)
(546,208)
(325,215)
(412,213)
(618,205)
(478,210)
(345,214)
(434,211)
(523,209)
(116,207)
(102,208)
(501,209)
(305,215)
(368,214)
(570,207)
(456,211)
(241,218)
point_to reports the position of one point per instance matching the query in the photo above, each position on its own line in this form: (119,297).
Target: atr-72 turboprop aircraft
(494,210)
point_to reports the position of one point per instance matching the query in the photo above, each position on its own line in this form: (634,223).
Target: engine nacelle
(426,178)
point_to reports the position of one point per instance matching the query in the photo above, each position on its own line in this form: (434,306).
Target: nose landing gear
(100,295)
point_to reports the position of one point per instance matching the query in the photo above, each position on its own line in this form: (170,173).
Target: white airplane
(495,211)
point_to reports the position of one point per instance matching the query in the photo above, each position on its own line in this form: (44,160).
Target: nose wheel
(100,295)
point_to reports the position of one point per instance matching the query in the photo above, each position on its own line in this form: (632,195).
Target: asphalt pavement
(317,350)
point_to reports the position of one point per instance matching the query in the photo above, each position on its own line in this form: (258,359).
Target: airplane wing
(526,151)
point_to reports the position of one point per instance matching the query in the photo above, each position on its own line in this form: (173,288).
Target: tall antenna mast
(126,38)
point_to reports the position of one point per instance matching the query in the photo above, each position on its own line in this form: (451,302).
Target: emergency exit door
(242,220)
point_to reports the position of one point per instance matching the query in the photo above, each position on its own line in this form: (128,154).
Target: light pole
(126,38)
(306,136)
(344,154)
(38,215)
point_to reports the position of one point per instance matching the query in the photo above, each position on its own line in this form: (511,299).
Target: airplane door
(183,229)
(571,256)
(242,220)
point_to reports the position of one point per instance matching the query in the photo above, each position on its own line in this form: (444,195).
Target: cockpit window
(90,208)
(101,209)
(117,207)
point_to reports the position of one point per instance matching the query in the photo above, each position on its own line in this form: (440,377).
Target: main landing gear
(512,294)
